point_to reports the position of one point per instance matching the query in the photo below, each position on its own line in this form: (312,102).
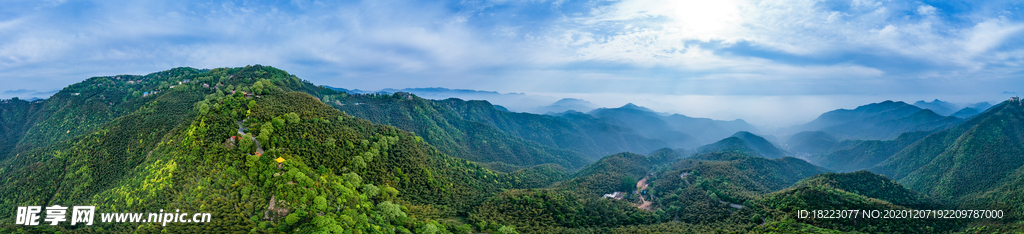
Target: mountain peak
(566,104)
(744,134)
(744,141)
(938,106)
(631,106)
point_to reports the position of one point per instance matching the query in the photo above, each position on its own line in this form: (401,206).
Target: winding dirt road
(640,186)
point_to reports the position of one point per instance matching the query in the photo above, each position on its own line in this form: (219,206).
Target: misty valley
(264,151)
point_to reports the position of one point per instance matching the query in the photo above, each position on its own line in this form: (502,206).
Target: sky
(769,62)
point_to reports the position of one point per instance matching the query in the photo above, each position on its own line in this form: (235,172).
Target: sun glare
(704,19)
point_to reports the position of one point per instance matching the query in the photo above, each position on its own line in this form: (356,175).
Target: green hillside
(966,161)
(80,108)
(611,138)
(734,177)
(824,197)
(15,117)
(966,112)
(678,131)
(541,210)
(455,136)
(477,131)
(855,155)
(877,121)
(211,140)
(871,185)
(618,172)
(647,123)
(176,151)
(745,143)
(812,143)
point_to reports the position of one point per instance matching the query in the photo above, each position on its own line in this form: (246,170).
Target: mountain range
(746,143)
(265,151)
(679,131)
(877,121)
(566,104)
(949,109)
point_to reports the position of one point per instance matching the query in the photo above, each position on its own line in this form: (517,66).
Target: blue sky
(631,49)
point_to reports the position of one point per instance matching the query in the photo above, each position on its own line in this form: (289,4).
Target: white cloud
(677,47)
(926,10)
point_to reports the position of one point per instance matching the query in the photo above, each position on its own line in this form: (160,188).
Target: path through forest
(641,186)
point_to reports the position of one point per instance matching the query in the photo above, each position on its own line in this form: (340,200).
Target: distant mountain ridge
(566,104)
(949,109)
(877,121)
(518,102)
(938,106)
(678,130)
(966,161)
(267,152)
(744,142)
(472,129)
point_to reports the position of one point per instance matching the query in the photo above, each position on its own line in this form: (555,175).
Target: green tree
(430,229)
(257,88)
(277,122)
(507,230)
(371,190)
(320,203)
(267,128)
(358,162)
(245,144)
(390,210)
(628,183)
(292,118)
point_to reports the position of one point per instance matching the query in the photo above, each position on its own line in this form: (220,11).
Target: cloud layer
(661,47)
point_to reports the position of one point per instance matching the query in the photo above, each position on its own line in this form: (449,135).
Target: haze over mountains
(877,121)
(768,113)
(265,151)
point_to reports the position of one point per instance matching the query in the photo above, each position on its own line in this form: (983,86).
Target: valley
(265,151)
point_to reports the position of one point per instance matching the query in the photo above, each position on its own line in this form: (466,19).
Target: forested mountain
(15,115)
(855,155)
(736,177)
(938,106)
(812,143)
(871,185)
(80,108)
(877,121)
(477,131)
(744,142)
(619,172)
(705,129)
(610,137)
(646,123)
(722,185)
(677,130)
(978,160)
(518,102)
(947,109)
(440,123)
(181,149)
(966,112)
(981,106)
(862,191)
(567,104)
(266,152)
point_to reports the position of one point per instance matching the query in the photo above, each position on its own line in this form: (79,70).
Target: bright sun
(700,18)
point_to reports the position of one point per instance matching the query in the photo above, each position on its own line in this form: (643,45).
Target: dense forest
(264,151)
